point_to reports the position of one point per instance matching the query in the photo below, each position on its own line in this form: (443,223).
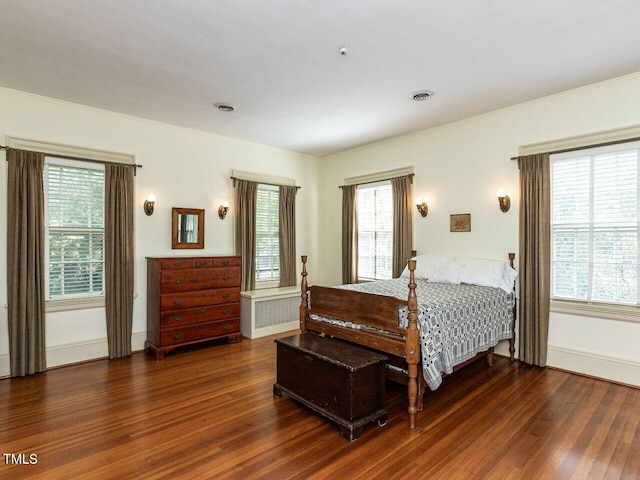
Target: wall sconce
(223,209)
(422,207)
(503,200)
(149,203)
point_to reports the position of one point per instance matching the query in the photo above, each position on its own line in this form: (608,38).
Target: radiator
(270,311)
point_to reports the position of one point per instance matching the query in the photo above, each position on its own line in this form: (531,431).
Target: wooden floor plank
(208,411)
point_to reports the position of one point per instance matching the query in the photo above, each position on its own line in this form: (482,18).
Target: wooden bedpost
(303,294)
(412,348)
(512,340)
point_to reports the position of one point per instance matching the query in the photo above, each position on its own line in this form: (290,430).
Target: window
(74,227)
(594,216)
(267,234)
(375,231)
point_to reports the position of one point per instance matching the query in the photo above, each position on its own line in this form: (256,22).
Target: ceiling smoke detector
(421,95)
(224,107)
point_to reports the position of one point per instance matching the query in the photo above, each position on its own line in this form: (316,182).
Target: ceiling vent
(421,95)
(224,107)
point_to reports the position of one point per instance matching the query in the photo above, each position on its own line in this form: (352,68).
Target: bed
(456,310)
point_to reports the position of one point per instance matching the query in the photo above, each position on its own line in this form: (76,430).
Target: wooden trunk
(343,382)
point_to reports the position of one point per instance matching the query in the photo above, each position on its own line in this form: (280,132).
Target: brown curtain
(402,224)
(118,258)
(535,261)
(287,236)
(25,262)
(245,207)
(349,234)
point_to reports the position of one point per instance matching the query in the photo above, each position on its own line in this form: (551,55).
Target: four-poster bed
(412,332)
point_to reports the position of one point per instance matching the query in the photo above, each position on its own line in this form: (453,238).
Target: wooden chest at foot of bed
(343,382)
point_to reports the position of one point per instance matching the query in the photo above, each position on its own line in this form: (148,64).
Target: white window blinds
(74,210)
(267,234)
(595,224)
(375,231)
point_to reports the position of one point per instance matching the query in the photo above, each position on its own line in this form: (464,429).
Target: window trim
(272,282)
(608,311)
(77,153)
(369,185)
(268,181)
(379,176)
(68,303)
(592,226)
(70,151)
(580,142)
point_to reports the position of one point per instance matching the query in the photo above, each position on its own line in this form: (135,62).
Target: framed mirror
(187,228)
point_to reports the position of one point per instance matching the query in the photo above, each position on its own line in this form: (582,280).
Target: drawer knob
(177,335)
(203,294)
(226,263)
(203,309)
(225,296)
(177,318)
(202,264)
(178,281)
(225,327)
(226,278)
(178,302)
(177,264)
(225,311)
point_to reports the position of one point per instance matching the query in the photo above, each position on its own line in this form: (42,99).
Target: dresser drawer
(203,263)
(173,301)
(225,262)
(176,336)
(199,279)
(189,316)
(173,263)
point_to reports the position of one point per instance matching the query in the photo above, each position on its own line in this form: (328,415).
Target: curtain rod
(595,145)
(264,183)
(70,157)
(410,175)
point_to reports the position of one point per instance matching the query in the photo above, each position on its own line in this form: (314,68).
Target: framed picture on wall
(461,222)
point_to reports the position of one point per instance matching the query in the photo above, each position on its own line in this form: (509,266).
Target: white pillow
(446,271)
(424,265)
(488,273)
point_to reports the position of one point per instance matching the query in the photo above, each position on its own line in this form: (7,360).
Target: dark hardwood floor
(208,412)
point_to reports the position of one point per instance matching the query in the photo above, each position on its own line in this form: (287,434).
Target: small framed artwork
(461,222)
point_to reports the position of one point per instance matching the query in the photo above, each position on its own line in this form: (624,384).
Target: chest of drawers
(190,300)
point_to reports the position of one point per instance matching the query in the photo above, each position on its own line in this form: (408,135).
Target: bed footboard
(378,312)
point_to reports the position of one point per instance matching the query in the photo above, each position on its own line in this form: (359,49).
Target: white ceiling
(278,61)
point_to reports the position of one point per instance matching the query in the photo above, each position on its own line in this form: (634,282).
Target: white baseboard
(579,361)
(5,366)
(76,352)
(595,365)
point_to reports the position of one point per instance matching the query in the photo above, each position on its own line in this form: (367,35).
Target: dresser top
(190,257)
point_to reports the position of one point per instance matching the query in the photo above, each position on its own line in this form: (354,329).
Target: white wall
(459,167)
(184,168)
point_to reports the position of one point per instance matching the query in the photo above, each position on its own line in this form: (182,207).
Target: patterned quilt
(455,321)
